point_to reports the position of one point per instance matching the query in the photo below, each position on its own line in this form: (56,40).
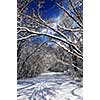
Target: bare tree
(67,33)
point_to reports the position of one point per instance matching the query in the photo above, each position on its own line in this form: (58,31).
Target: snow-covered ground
(49,86)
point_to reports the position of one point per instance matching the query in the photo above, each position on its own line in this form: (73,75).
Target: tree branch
(69,15)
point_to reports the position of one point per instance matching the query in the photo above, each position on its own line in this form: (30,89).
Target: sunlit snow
(49,86)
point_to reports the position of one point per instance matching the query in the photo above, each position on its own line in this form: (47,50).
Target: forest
(50,40)
(47,40)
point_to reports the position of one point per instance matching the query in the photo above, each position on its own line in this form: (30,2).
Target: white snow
(49,86)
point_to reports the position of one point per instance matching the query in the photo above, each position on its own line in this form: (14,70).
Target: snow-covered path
(49,86)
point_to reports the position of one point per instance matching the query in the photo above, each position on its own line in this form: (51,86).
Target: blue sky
(49,8)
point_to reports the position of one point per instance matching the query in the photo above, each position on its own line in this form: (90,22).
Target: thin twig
(69,15)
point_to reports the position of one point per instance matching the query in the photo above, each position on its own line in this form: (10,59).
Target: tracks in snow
(49,86)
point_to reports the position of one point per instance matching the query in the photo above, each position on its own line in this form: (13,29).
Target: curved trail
(49,86)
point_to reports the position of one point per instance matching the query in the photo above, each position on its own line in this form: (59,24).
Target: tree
(65,32)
